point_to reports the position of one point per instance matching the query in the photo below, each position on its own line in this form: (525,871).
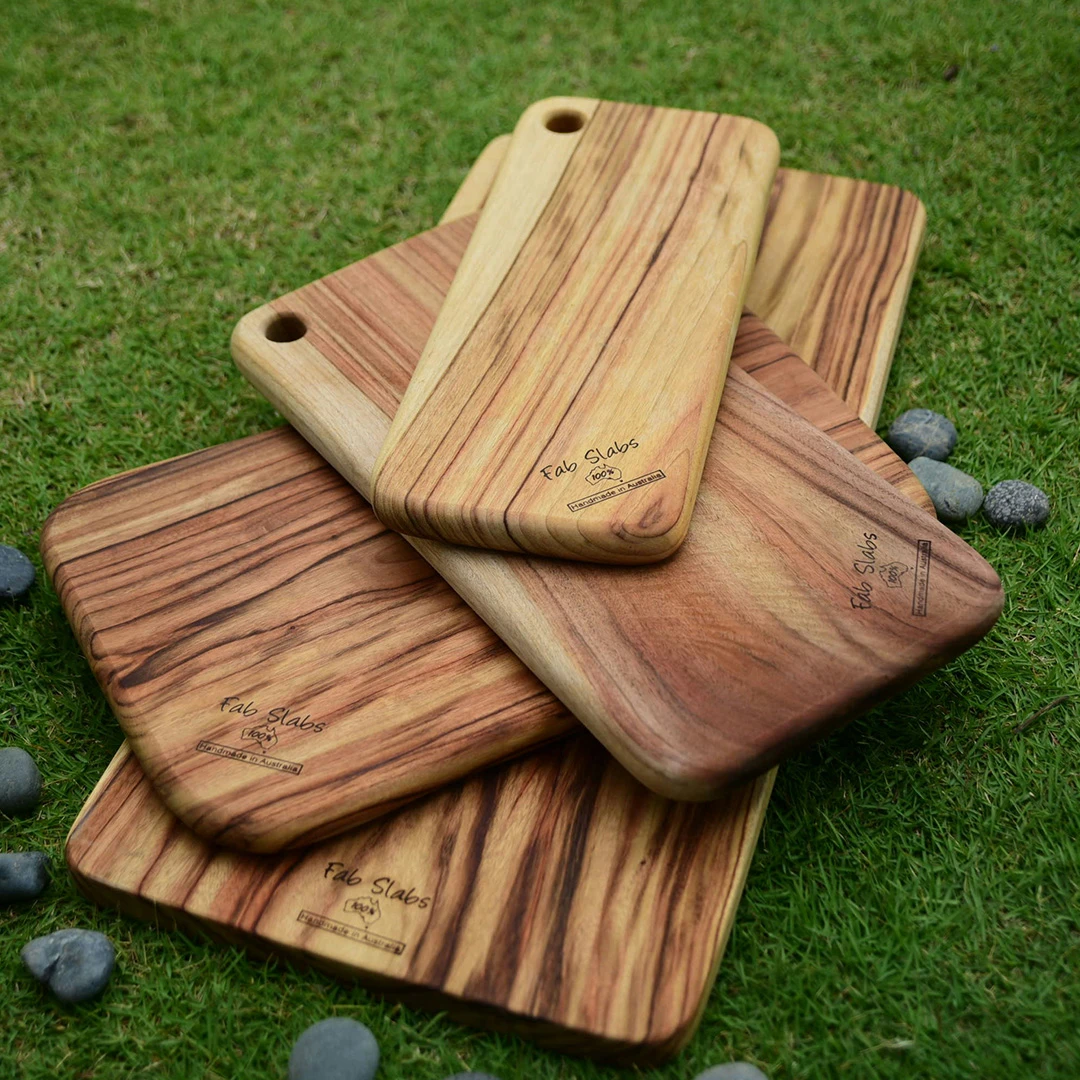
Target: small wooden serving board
(566,395)
(771,626)
(554,896)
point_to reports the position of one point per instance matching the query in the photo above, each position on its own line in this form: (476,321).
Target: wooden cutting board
(565,398)
(771,626)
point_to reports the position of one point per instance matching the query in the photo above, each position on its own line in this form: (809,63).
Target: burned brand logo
(366,908)
(266,732)
(601,473)
(893,574)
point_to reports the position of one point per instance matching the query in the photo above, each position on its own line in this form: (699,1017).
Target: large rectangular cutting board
(768,628)
(553,896)
(265,719)
(591,319)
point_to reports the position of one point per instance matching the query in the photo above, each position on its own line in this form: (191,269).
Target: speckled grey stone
(16,573)
(733,1070)
(337,1048)
(24,875)
(472,1076)
(76,964)
(922,433)
(955,495)
(1015,504)
(20,781)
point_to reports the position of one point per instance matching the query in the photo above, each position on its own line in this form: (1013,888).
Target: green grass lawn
(913,907)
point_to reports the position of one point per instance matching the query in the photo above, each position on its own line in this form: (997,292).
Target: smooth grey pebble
(24,875)
(955,495)
(733,1070)
(20,781)
(16,573)
(1013,504)
(922,433)
(337,1048)
(76,964)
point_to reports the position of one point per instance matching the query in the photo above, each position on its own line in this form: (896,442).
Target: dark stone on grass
(24,875)
(75,964)
(334,1049)
(955,495)
(922,433)
(733,1070)
(16,573)
(1016,504)
(20,781)
(472,1076)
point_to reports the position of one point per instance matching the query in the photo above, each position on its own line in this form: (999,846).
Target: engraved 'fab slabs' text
(869,567)
(262,735)
(370,914)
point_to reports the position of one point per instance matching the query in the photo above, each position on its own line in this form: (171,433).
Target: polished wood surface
(768,628)
(833,272)
(284,666)
(565,397)
(553,896)
(126,850)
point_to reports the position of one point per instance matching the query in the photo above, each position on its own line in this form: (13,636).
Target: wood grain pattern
(125,850)
(283,665)
(698,672)
(562,900)
(833,271)
(554,897)
(566,395)
(835,264)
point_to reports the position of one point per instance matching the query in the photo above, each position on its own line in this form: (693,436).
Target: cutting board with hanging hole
(285,666)
(565,398)
(807,591)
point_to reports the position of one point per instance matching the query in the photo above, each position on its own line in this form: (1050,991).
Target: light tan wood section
(834,268)
(771,626)
(475,188)
(565,398)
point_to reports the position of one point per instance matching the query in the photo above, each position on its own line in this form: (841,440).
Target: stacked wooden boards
(565,397)
(768,628)
(126,849)
(553,896)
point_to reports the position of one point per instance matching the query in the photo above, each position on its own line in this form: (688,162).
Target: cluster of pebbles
(340,1048)
(75,964)
(925,439)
